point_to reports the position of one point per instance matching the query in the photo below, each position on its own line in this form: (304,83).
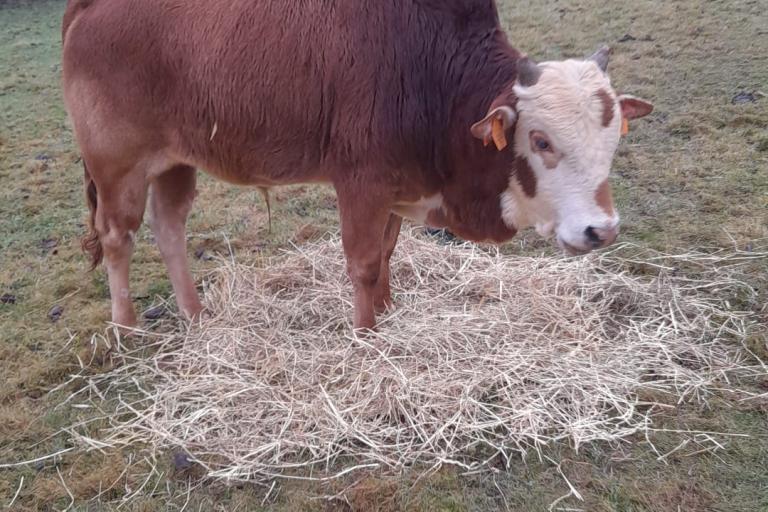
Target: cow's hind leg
(171,196)
(383,295)
(117,216)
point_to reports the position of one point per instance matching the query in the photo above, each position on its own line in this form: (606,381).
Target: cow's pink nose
(601,237)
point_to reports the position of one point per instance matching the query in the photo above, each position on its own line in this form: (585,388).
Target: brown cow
(380,99)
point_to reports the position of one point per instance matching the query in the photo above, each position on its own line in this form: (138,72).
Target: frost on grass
(486,357)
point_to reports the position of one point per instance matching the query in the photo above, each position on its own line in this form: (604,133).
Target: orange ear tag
(624,126)
(497,132)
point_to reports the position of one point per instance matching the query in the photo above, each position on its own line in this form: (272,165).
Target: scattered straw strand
(16,495)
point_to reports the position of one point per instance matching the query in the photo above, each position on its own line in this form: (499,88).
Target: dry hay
(486,356)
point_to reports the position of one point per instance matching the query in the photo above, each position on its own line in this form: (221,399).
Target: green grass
(693,174)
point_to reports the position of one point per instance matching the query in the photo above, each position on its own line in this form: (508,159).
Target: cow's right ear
(495,126)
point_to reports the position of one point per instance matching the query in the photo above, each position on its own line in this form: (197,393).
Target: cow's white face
(567,125)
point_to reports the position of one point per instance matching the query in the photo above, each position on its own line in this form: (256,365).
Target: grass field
(693,174)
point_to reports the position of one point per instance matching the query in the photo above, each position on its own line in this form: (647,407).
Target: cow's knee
(364,273)
(116,240)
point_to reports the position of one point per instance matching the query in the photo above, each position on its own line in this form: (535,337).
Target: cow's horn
(528,72)
(601,57)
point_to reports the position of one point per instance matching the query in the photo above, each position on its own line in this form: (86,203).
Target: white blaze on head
(568,125)
(563,134)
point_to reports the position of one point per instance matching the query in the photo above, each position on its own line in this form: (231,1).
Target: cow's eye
(540,142)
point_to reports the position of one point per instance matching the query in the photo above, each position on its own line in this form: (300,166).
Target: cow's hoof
(365,332)
(194,311)
(126,330)
(363,325)
(125,321)
(199,316)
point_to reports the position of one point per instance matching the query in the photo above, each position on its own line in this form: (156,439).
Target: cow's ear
(633,107)
(495,126)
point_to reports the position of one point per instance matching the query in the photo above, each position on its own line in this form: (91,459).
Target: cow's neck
(478,175)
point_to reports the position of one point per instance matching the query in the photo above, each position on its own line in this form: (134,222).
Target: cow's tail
(90,242)
(265,194)
(70,13)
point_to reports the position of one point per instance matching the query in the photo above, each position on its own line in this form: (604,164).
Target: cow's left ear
(633,107)
(495,126)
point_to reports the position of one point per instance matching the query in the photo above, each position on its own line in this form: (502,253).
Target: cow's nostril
(593,237)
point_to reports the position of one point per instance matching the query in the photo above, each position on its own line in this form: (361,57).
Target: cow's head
(566,121)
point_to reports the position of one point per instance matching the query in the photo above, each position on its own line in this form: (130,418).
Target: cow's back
(271,91)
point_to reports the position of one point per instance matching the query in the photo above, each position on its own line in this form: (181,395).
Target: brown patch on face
(541,145)
(604,198)
(551,159)
(608,107)
(525,176)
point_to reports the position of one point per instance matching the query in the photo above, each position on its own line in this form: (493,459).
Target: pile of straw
(486,356)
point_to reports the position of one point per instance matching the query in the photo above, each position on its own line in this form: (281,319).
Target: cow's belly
(253,177)
(251,168)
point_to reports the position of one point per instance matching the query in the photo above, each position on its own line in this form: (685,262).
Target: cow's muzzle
(594,238)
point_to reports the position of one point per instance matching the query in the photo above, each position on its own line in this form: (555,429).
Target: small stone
(202,254)
(55,313)
(7,298)
(626,38)
(744,97)
(154,313)
(181,461)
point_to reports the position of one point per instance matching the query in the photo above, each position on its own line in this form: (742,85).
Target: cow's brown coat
(373,97)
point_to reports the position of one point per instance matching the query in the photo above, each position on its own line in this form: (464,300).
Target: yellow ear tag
(497,132)
(624,126)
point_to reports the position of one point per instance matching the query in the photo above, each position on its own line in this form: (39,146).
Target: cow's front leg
(383,296)
(363,222)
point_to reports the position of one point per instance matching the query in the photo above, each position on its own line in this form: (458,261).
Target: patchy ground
(694,174)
